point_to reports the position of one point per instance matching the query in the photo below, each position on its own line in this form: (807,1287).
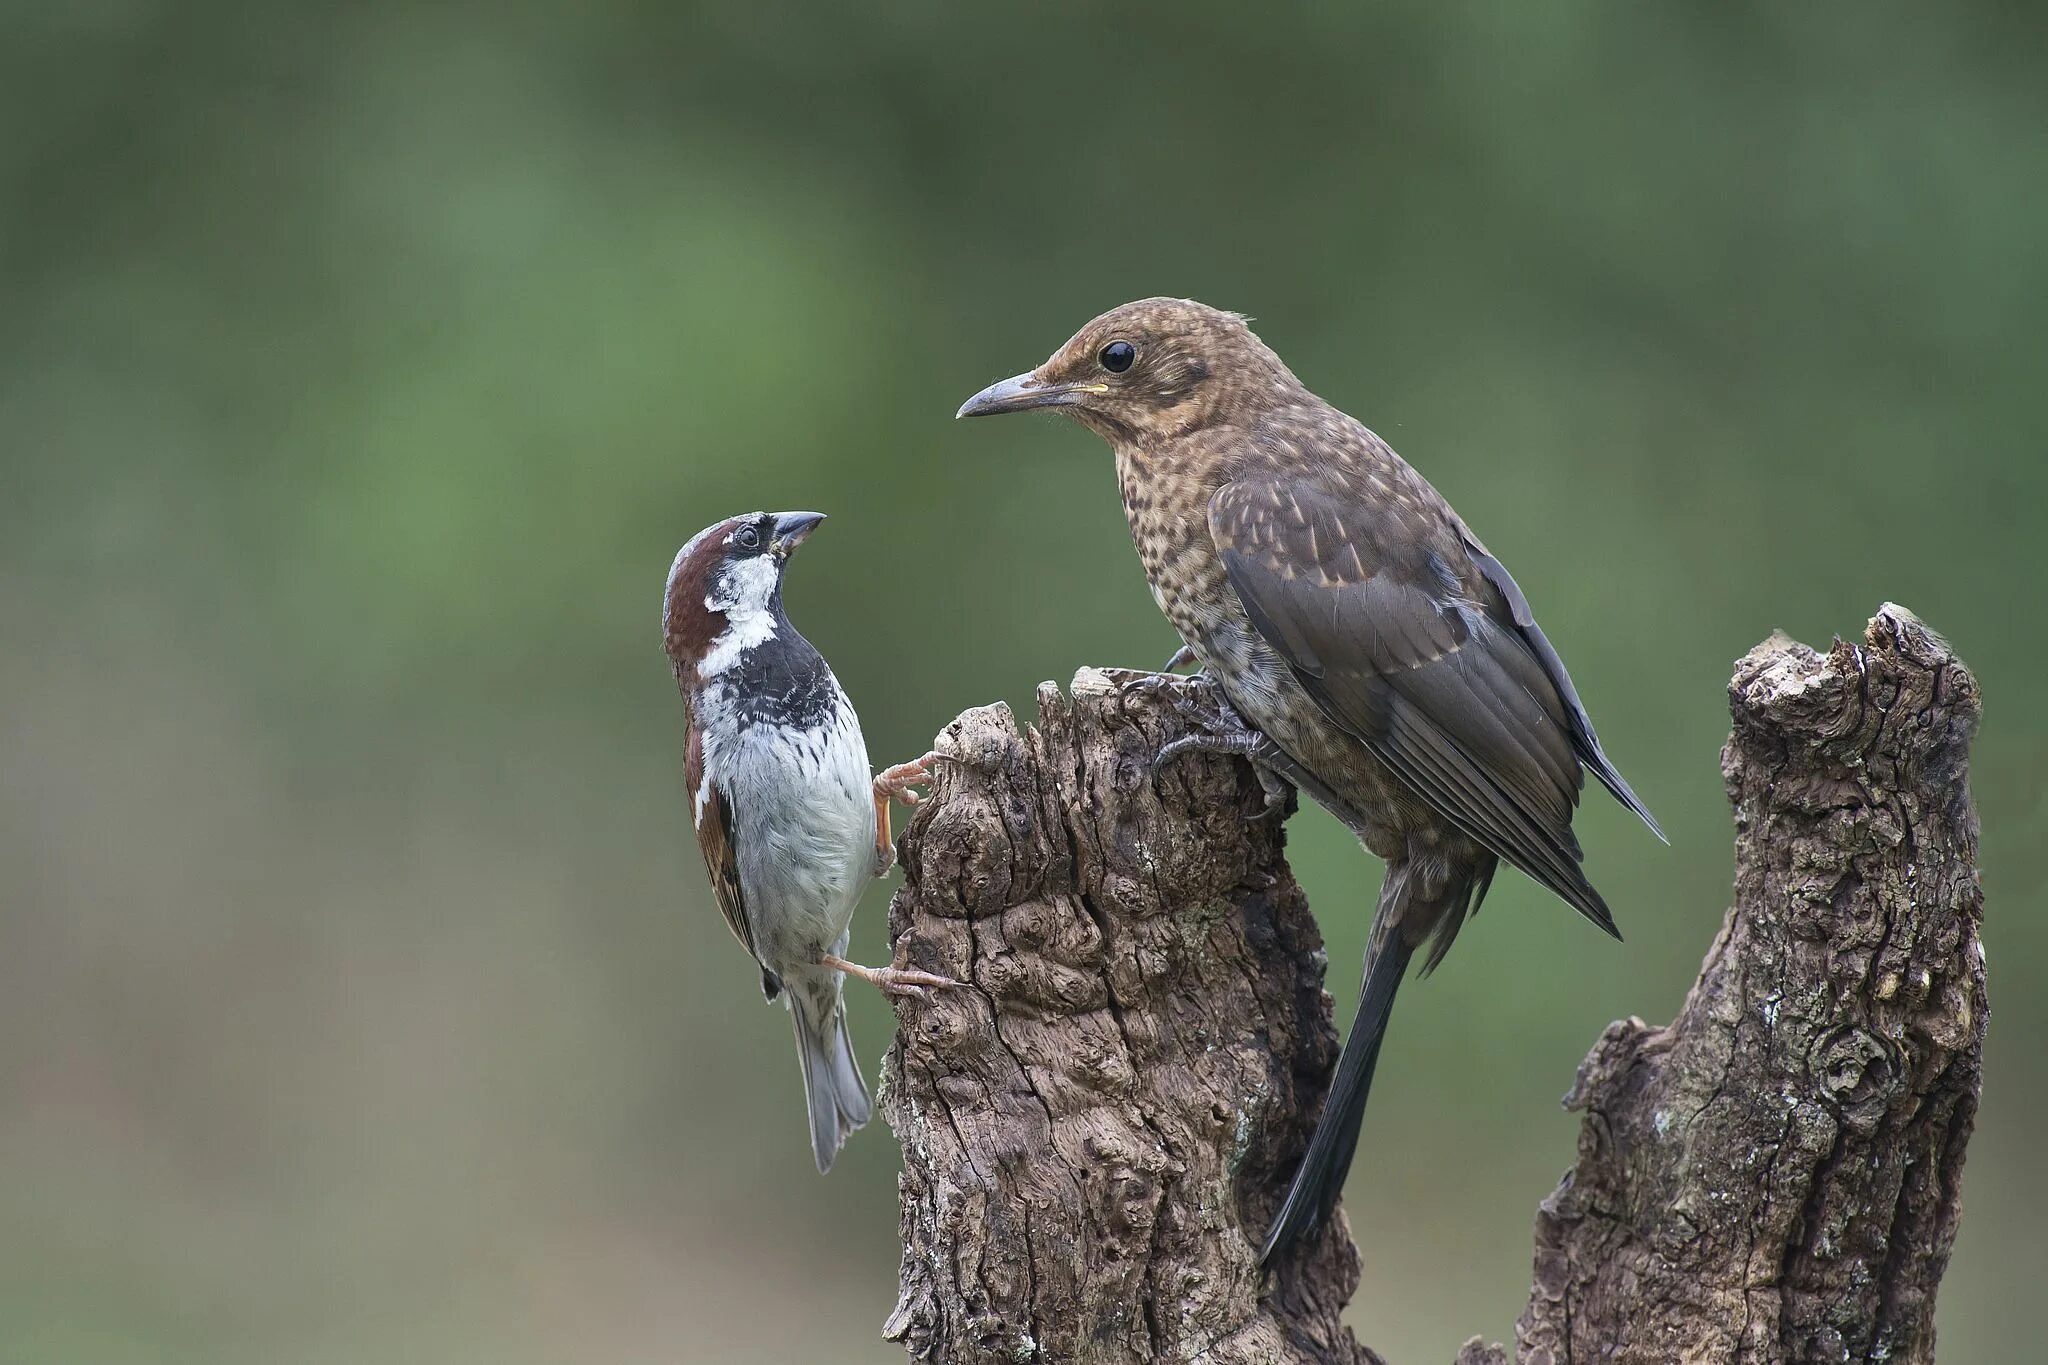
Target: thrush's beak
(1023,393)
(792,529)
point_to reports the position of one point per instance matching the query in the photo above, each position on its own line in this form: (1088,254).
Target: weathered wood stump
(1097,1127)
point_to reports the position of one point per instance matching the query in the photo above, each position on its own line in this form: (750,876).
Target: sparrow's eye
(747,538)
(1118,356)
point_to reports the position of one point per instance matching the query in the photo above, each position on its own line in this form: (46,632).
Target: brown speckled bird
(1385,661)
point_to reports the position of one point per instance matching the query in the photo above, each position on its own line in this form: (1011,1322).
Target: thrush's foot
(894,979)
(1277,790)
(1195,697)
(1162,686)
(1218,727)
(1222,731)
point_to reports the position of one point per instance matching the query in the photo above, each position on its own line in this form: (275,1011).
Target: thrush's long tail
(1400,924)
(1320,1177)
(833,1089)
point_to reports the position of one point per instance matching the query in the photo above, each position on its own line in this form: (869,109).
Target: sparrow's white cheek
(743,586)
(742,592)
(741,634)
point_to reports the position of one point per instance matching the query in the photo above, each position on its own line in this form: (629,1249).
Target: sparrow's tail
(833,1088)
(1401,923)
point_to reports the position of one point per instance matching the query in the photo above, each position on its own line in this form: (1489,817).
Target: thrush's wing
(1394,640)
(712,815)
(1584,741)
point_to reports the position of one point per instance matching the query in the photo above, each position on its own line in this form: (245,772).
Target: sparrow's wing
(712,814)
(1394,638)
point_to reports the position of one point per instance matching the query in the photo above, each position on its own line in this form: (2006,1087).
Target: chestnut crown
(726,583)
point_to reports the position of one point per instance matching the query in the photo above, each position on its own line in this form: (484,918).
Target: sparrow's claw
(912,984)
(893,979)
(899,783)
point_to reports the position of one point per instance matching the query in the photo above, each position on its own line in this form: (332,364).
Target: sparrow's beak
(791,529)
(1025,392)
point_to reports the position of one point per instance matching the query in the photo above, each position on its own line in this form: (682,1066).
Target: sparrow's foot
(893,979)
(900,783)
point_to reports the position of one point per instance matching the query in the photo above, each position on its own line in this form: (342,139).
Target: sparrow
(1372,651)
(792,826)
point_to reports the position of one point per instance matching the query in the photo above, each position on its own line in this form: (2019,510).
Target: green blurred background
(362,366)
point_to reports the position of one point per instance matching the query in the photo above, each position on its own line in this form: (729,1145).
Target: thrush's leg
(894,979)
(1218,728)
(1166,678)
(897,784)
(1248,744)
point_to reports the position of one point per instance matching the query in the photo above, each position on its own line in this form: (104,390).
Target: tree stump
(1097,1126)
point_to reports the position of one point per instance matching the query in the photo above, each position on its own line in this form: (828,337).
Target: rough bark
(1140,1046)
(1776,1175)
(1099,1124)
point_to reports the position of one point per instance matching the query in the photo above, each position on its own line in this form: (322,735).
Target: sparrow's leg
(894,979)
(897,784)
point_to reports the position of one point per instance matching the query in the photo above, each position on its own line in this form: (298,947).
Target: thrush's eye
(1118,356)
(746,538)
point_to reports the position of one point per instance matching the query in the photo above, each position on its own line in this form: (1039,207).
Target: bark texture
(1140,1048)
(1097,1127)
(1776,1176)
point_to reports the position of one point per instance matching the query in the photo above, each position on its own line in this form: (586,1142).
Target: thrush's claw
(1223,731)
(1159,684)
(1241,744)
(1277,790)
(1182,657)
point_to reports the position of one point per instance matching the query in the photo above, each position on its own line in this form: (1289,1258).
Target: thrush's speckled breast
(1351,617)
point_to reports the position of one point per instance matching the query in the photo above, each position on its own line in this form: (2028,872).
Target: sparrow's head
(725,589)
(1157,367)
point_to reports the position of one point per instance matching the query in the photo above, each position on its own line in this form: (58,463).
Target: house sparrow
(1385,661)
(791,826)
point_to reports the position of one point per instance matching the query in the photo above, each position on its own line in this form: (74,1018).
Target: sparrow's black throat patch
(781,681)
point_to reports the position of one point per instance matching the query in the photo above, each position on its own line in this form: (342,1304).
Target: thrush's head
(725,589)
(1154,368)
